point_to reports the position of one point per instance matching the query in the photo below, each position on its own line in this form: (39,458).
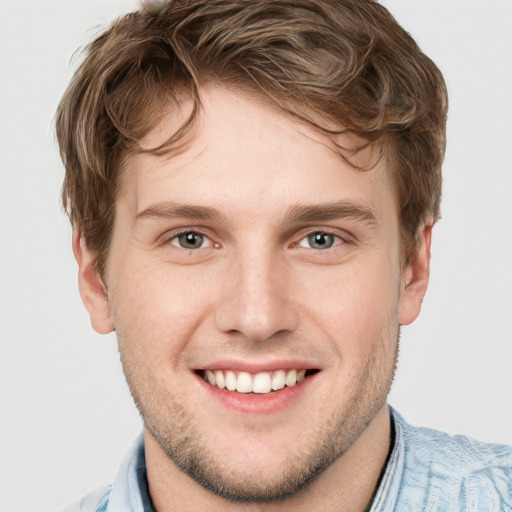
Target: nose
(256,299)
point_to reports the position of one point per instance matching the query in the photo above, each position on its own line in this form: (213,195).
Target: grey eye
(319,240)
(190,240)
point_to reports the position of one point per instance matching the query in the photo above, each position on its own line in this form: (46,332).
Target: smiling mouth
(258,383)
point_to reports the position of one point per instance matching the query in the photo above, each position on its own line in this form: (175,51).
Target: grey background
(66,418)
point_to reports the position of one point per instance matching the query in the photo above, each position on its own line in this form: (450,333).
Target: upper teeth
(262,382)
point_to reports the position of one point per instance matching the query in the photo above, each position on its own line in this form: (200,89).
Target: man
(252,187)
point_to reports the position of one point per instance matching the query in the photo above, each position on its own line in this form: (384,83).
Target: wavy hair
(343,63)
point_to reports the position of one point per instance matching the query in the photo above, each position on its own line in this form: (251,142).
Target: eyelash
(335,239)
(174,239)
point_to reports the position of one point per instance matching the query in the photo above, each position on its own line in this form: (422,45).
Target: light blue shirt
(427,471)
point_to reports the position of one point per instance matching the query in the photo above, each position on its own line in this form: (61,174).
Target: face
(255,288)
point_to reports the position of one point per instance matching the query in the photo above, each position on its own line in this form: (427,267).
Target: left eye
(191,240)
(318,240)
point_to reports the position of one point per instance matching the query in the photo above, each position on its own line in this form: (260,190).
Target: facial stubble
(179,436)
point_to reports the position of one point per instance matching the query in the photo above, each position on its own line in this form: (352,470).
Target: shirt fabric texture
(427,471)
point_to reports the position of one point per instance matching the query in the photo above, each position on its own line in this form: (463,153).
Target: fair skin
(256,251)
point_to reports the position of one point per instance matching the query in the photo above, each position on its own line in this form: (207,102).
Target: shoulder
(128,491)
(467,455)
(444,472)
(96,501)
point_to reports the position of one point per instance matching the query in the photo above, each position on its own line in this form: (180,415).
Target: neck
(349,484)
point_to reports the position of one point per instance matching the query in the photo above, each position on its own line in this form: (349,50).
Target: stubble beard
(179,437)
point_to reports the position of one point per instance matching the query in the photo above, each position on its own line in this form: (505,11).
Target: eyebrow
(295,214)
(171,210)
(330,211)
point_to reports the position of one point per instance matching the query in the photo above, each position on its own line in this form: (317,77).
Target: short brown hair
(346,62)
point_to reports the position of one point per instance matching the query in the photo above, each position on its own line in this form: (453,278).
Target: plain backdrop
(66,418)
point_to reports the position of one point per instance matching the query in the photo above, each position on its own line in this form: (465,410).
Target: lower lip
(256,403)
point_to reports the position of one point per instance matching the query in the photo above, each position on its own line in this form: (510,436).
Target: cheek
(158,309)
(356,306)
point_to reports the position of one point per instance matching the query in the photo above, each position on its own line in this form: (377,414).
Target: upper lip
(259,366)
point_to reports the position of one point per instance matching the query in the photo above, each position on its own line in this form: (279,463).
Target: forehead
(241,149)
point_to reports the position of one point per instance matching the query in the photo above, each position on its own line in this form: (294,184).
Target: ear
(415,276)
(91,286)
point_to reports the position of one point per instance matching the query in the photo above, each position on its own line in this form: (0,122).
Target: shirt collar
(129,491)
(385,498)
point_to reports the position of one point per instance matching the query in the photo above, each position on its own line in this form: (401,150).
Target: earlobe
(415,277)
(91,286)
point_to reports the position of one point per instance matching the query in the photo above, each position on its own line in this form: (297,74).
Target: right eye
(319,240)
(191,240)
